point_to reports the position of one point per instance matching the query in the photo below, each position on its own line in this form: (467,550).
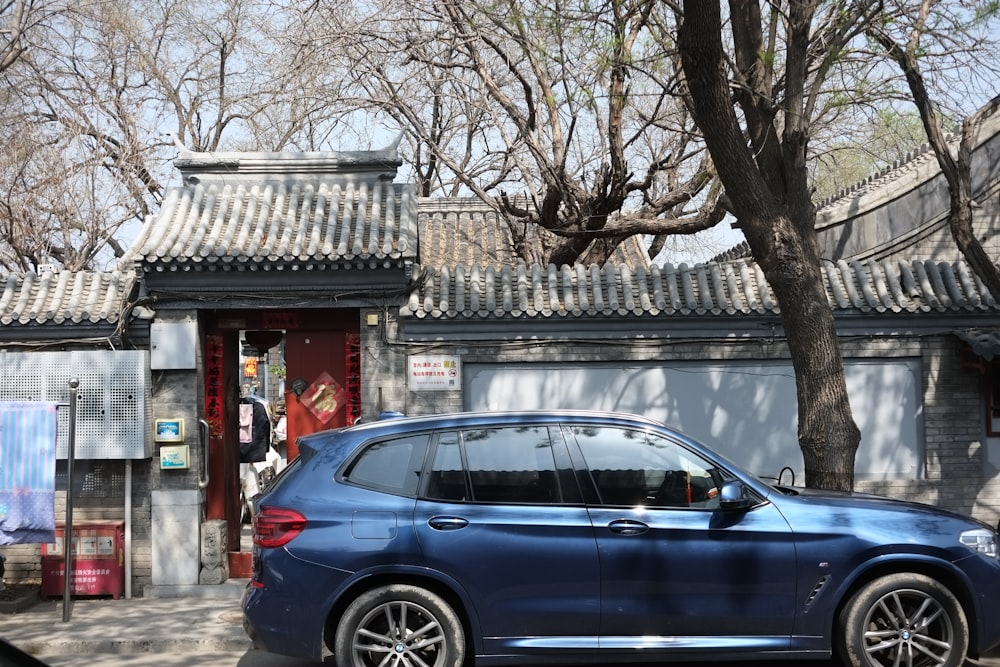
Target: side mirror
(733,496)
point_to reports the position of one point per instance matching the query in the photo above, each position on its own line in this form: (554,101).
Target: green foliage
(987,11)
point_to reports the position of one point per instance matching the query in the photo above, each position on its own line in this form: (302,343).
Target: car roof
(480,418)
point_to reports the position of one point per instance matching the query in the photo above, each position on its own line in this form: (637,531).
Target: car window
(390,465)
(631,467)
(447,479)
(501,465)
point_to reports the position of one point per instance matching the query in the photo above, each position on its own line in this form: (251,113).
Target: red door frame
(316,341)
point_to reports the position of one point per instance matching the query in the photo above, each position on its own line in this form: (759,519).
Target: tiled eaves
(983,342)
(64,298)
(728,288)
(281,224)
(517,293)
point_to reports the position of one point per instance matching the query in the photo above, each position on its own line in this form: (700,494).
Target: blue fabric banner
(27,472)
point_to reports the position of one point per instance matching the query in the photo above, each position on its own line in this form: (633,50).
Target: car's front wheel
(903,620)
(399,626)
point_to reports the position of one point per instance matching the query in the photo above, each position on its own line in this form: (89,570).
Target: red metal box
(98,560)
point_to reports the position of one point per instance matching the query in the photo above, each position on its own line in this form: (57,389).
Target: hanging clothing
(27,472)
(254,448)
(246,423)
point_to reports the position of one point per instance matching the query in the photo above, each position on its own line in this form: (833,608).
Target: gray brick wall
(383,366)
(956,474)
(179,394)
(940,246)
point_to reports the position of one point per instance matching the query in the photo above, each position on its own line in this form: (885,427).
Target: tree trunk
(778,219)
(827,433)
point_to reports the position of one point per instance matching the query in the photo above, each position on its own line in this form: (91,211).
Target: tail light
(276,527)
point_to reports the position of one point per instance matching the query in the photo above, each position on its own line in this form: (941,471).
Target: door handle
(627,527)
(447,522)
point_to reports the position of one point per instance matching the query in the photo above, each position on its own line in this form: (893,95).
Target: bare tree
(561,117)
(789,69)
(101,94)
(905,50)
(764,167)
(18,19)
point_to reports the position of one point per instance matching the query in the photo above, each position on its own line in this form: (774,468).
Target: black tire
(399,626)
(907,620)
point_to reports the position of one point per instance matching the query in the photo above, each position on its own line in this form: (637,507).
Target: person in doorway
(255,442)
(255,429)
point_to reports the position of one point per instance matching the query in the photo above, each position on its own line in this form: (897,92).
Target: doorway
(304,364)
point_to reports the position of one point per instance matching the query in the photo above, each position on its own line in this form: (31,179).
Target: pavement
(167,619)
(175,621)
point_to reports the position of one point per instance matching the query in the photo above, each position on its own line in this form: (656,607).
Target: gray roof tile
(464,231)
(214,225)
(728,288)
(523,292)
(984,342)
(64,298)
(281,211)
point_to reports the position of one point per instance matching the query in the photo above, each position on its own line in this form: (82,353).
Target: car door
(678,572)
(500,513)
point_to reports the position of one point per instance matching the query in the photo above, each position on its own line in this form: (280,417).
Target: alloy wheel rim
(399,634)
(908,628)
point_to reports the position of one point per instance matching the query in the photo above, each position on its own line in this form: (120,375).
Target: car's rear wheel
(399,626)
(903,620)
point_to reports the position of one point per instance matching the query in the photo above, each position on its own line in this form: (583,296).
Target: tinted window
(637,468)
(448,480)
(390,465)
(506,465)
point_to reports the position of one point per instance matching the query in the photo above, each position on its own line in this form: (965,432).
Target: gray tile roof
(550,293)
(465,231)
(917,167)
(891,212)
(281,211)
(64,298)
(728,288)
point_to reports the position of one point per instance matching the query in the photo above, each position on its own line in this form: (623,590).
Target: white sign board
(428,372)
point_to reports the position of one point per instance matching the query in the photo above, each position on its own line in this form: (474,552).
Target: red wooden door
(314,359)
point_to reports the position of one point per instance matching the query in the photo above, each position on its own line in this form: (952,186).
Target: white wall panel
(745,410)
(113,418)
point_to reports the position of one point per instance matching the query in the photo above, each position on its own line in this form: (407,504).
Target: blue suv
(570,536)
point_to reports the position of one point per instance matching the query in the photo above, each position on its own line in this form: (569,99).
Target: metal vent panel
(113,418)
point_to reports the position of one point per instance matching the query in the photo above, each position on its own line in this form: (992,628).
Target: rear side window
(390,465)
(495,465)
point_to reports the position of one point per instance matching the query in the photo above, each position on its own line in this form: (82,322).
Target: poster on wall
(427,372)
(324,397)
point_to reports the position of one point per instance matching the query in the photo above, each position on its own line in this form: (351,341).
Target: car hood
(862,501)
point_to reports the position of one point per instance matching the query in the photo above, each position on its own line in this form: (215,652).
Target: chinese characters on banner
(434,372)
(213,384)
(352,369)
